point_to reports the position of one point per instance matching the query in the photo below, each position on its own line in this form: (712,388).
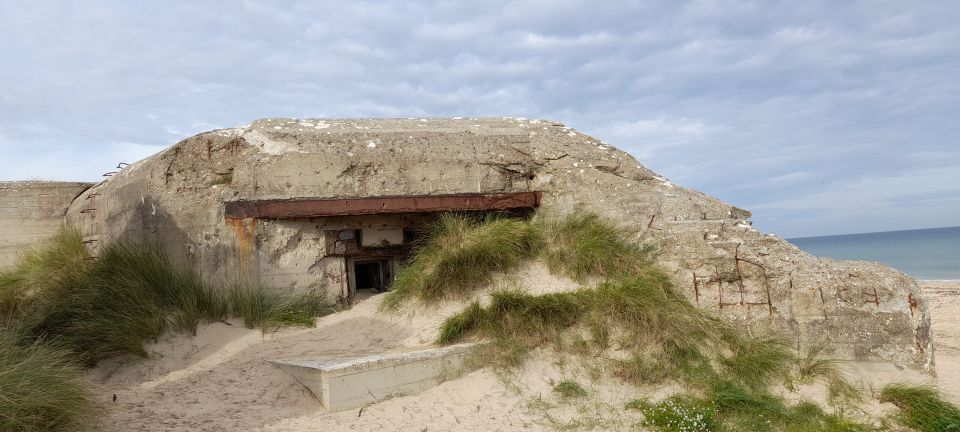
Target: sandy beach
(220,380)
(944,300)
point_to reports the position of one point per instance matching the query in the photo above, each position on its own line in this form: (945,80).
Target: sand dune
(220,380)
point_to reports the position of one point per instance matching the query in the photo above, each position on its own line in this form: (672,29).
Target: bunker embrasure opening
(345,246)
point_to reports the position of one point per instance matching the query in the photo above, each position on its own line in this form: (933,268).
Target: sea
(925,254)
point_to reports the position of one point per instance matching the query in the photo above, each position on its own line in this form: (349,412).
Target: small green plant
(813,366)
(41,388)
(677,414)
(63,309)
(569,389)
(922,408)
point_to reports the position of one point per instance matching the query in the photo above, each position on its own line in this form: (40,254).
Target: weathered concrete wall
(291,252)
(859,310)
(31,211)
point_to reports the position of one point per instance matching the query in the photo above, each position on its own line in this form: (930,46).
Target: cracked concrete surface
(858,310)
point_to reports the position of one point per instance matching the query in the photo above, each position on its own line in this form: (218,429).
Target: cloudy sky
(820,117)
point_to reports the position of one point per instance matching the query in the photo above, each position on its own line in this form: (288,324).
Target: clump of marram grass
(583,245)
(458,253)
(48,264)
(814,367)
(127,295)
(922,408)
(262,308)
(756,363)
(645,310)
(110,305)
(40,388)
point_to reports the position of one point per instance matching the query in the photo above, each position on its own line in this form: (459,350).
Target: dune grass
(632,307)
(758,363)
(644,309)
(922,408)
(64,309)
(40,388)
(129,294)
(727,406)
(261,307)
(459,253)
(583,245)
(43,265)
(813,366)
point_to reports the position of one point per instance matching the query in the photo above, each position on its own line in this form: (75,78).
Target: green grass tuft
(40,388)
(263,308)
(922,408)
(569,389)
(758,363)
(62,309)
(644,309)
(583,245)
(129,294)
(47,264)
(458,254)
(813,366)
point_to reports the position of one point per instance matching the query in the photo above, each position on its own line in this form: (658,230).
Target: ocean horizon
(924,254)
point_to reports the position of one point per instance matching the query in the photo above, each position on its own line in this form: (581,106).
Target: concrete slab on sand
(350,382)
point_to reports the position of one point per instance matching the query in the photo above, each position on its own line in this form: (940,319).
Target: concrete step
(345,382)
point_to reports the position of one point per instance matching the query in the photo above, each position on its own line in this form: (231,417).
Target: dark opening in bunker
(373,275)
(366,239)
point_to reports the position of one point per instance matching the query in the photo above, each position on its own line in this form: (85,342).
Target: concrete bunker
(348,246)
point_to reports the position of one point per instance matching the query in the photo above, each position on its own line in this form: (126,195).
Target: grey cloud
(767,105)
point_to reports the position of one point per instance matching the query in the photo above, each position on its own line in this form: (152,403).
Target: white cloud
(770,107)
(536,40)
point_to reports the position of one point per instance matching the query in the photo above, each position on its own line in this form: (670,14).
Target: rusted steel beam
(291,208)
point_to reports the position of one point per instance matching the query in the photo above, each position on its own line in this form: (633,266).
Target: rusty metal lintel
(379,205)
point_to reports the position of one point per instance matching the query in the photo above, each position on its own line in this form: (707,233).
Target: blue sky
(821,117)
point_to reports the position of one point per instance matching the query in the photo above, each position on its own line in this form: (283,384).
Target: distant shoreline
(872,233)
(924,254)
